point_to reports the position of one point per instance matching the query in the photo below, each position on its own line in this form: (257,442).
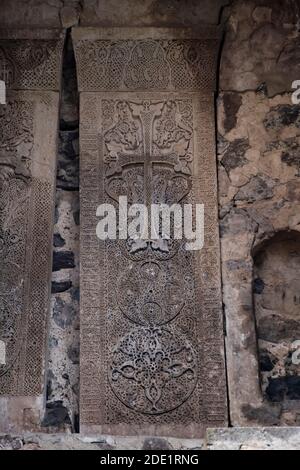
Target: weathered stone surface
(150,12)
(281,116)
(234,154)
(63,312)
(275,438)
(154,443)
(268,438)
(261,45)
(30,13)
(259,188)
(69,15)
(257,200)
(232,103)
(63,373)
(277,320)
(8,442)
(150,119)
(51,441)
(265,191)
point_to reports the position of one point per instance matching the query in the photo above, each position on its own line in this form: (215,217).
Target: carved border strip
(146,58)
(25,375)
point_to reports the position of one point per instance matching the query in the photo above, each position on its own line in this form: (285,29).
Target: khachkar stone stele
(151,316)
(30,66)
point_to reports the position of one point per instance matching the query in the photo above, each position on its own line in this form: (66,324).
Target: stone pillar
(30,66)
(151,313)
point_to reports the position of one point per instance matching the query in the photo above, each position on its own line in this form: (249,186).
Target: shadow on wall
(277,311)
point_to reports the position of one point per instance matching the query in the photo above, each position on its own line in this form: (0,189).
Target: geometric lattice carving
(16,131)
(30,67)
(146,59)
(27,170)
(31,63)
(151,317)
(26,201)
(146,64)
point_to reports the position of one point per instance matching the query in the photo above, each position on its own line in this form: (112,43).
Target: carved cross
(145,113)
(121,143)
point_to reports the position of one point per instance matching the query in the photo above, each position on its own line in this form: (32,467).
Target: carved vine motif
(16,139)
(16,142)
(153,370)
(148,152)
(12,254)
(146,64)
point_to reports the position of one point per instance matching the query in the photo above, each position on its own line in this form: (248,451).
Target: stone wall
(259,184)
(276,302)
(67,13)
(63,371)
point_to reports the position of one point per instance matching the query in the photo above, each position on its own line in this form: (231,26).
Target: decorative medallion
(153,370)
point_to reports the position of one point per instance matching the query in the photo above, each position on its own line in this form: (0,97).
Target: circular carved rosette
(153,370)
(151,293)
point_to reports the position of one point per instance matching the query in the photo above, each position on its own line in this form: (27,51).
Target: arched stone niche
(244,239)
(276,300)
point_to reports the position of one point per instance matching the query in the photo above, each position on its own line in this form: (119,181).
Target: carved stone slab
(31,60)
(151,315)
(28,132)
